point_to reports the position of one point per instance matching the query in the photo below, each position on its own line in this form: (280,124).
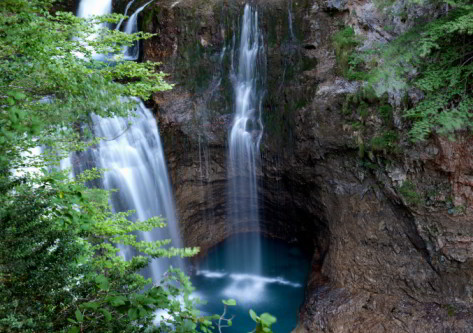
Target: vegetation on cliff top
(433,60)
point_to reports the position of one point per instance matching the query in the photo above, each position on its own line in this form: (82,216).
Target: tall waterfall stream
(259,273)
(246,134)
(137,168)
(133,156)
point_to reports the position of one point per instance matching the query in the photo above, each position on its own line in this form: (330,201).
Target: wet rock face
(195,43)
(455,158)
(65,6)
(387,257)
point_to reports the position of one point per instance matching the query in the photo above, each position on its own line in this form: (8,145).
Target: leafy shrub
(344,42)
(435,58)
(385,142)
(409,193)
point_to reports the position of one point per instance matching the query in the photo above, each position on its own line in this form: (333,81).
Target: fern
(436,58)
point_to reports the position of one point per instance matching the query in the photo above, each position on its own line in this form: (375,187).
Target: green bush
(345,42)
(385,142)
(435,58)
(409,192)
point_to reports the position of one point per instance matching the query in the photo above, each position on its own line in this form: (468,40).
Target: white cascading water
(133,52)
(119,24)
(289,19)
(245,136)
(133,156)
(90,8)
(136,167)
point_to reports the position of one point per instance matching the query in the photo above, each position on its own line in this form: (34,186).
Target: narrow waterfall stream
(119,24)
(289,20)
(262,274)
(133,156)
(245,136)
(133,52)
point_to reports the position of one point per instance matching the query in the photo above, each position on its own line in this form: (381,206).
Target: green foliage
(409,192)
(436,58)
(360,102)
(229,302)
(381,4)
(59,268)
(345,41)
(263,322)
(385,142)
(445,76)
(451,310)
(222,320)
(386,113)
(361,149)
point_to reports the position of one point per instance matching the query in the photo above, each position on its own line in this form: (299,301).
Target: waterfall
(132,154)
(89,8)
(133,52)
(134,158)
(245,135)
(289,19)
(125,13)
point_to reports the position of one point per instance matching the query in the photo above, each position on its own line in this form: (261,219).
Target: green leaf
(133,314)
(268,319)
(254,316)
(73,329)
(189,325)
(79,316)
(90,305)
(229,302)
(102,282)
(117,301)
(142,312)
(16,95)
(107,314)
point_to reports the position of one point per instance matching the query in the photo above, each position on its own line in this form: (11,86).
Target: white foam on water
(245,291)
(263,279)
(211,274)
(247,288)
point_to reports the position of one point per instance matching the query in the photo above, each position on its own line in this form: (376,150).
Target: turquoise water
(275,286)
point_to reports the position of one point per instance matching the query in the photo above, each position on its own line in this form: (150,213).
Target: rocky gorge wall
(391,232)
(195,41)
